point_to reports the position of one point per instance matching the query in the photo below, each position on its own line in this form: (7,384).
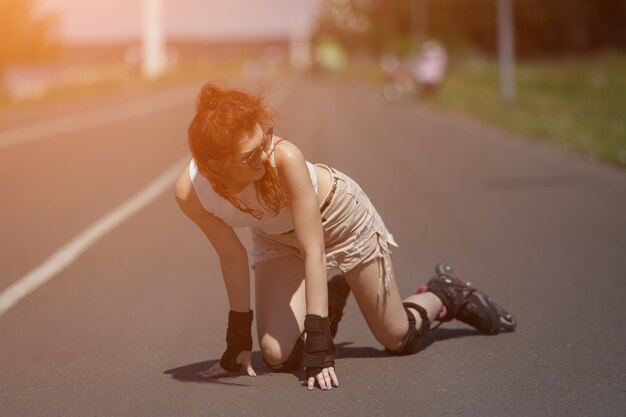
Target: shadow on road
(445,334)
(189,373)
(343,351)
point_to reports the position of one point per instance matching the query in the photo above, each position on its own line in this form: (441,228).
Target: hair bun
(209,97)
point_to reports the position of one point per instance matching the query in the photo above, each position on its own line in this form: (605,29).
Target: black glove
(238,339)
(320,349)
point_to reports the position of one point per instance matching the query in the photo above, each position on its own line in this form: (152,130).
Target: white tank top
(231,215)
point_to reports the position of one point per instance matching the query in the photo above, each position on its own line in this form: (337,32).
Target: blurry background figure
(397,77)
(429,68)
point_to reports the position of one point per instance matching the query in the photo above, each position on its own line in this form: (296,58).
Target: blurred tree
(569,26)
(542,27)
(356,24)
(25,36)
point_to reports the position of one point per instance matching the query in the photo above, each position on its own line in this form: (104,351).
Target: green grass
(578,103)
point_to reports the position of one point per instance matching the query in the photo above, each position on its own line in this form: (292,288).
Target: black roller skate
(338,292)
(464,302)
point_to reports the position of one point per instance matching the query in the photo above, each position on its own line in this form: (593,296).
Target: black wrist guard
(238,339)
(320,349)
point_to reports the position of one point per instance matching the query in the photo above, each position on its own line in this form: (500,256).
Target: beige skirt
(354,234)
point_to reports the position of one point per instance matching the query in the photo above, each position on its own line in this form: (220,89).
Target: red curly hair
(223,116)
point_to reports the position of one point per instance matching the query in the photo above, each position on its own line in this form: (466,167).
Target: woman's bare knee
(392,340)
(273,352)
(384,314)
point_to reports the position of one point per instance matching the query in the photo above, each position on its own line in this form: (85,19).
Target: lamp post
(300,33)
(506,50)
(152,39)
(419,23)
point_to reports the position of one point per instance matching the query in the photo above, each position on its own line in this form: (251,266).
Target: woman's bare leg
(431,303)
(280,306)
(385,314)
(280,309)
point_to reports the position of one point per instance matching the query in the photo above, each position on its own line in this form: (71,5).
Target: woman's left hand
(324,379)
(216,370)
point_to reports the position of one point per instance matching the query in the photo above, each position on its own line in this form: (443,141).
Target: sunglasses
(252,160)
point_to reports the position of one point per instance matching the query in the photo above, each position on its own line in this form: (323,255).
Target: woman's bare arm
(232,253)
(307,221)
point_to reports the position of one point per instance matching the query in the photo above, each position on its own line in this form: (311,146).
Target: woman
(304,218)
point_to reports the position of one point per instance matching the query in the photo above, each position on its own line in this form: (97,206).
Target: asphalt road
(123,330)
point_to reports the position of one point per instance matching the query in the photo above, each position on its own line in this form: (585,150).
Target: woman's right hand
(244,358)
(325,379)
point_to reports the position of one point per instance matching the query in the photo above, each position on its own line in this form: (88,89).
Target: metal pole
(152,39)
(419,23)
(415,31)
(300,53)
(424,19)
(390,26)
(506,51)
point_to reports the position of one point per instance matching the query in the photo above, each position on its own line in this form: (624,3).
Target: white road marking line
(63,257)
(93,118)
